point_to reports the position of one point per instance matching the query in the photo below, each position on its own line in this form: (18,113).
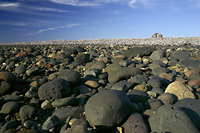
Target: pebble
(124,87)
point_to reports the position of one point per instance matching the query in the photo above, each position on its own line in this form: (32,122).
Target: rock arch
(157,35)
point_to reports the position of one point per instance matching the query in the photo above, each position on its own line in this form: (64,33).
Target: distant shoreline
(118,41)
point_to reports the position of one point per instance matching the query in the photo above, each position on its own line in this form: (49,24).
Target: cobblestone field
(129,41)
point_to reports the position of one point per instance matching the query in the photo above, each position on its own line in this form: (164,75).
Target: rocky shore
(125,41)
(108,85)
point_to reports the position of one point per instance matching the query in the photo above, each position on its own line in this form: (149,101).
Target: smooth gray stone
(172,119)
(51,122)
(108,109)
(63,102)
(191,108)
(8,125)
(10,107)
(27,111)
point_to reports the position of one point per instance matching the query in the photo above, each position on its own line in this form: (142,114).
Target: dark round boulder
(54,89)
(108,109)
(82,58)
(71,76)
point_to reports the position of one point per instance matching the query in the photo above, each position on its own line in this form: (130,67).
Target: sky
(44,20)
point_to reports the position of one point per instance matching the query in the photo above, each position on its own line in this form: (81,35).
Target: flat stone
(180,90)
(172,119)
(92,83)
(142,51)
(123,73)
(137,96)
(64,113)
(10,107)
(63,102)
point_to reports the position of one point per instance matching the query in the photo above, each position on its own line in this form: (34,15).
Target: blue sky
(41,20)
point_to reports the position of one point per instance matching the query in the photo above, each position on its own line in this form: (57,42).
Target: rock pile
(99,88)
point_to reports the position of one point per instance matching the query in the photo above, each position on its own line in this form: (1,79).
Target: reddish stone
(187,73)
(194,82)
(48,65)
(94,91)
(92,83)
(120,56)
(57,56)
(22,54)
(4,87)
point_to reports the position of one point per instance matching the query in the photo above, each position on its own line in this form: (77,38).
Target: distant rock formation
(157,35)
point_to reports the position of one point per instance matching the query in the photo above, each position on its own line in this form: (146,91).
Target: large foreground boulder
(171,119)
(191,108)
(108,109)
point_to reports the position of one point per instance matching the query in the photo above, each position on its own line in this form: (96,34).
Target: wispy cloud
(47,9)
(7,4)
(13,23)
(76,2)
(132,3)
(86,2)
(21,8)
(54,28)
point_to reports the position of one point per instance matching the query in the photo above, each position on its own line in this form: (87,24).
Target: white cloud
(22,8)
(47,9)
(54,28)
(6,4)
(76,2)
(131,3)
